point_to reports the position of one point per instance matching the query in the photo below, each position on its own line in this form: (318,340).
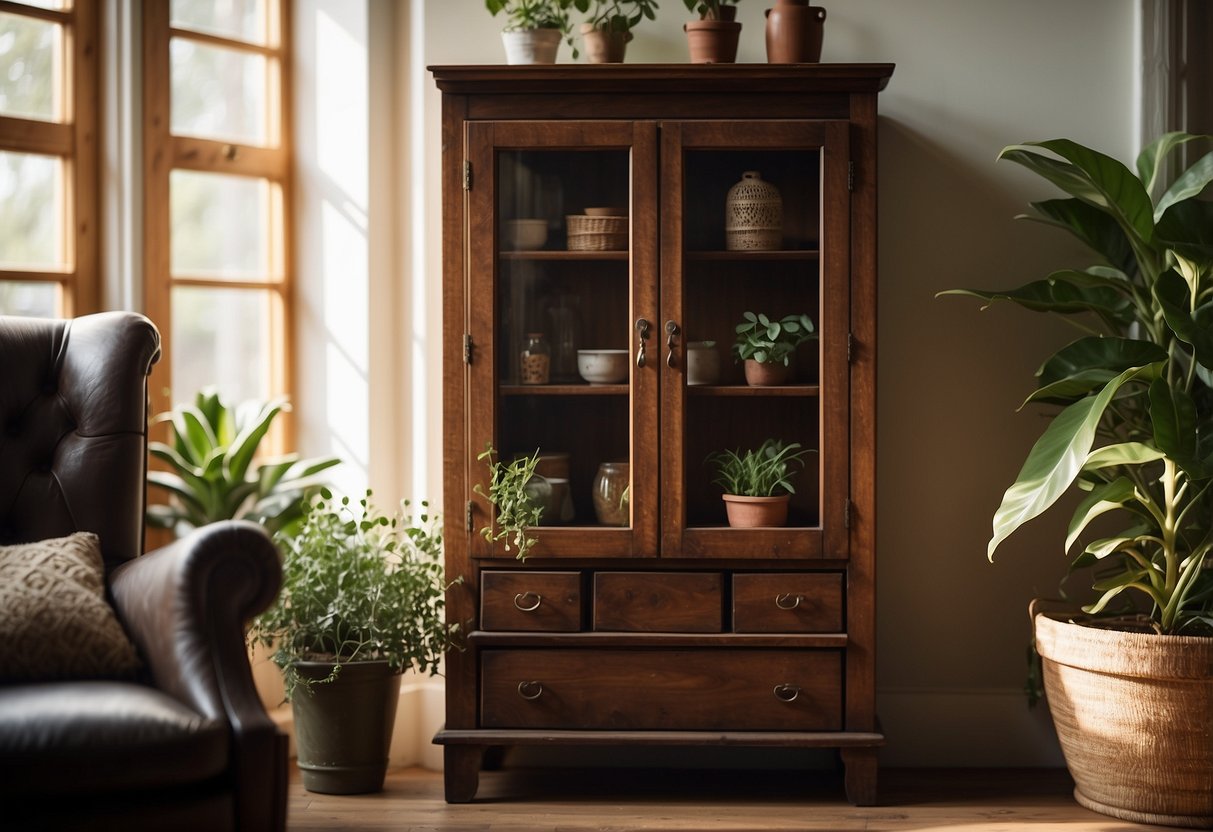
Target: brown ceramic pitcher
(794,32)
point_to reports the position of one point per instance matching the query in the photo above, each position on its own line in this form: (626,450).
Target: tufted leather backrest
(73,428)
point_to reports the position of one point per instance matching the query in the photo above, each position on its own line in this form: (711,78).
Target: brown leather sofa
(187,745)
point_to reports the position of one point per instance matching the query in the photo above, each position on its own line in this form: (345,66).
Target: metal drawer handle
(784,692)
(530,690)
(519,598)
(787,601)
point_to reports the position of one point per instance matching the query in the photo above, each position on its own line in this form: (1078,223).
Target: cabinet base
(464,751)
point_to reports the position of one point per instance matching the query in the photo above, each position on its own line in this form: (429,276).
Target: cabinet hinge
(467,348)
(467,520)
(846,514)
(467,174)
(850,176)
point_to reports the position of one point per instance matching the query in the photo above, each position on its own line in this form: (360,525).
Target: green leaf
(1092,226)
(240,454)
(1173,415)
(1110,545)
(1088,363)
(1071,388)
(1107,497)
(1056,459)
(1189,184)
(195,435)
(1171,292)
(1125,453)
(1150,160)
(1060,296)
(1098,606)
(1187,227)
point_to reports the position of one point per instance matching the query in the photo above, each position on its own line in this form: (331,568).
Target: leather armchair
(188,745)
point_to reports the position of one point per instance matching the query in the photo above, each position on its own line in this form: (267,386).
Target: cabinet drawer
(788,603)
(647,690)
(652,602)
(549,601)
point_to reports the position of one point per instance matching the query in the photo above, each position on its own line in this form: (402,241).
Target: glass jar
(536,357)
(611,493)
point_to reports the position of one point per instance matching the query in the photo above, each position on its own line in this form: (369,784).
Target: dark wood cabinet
(584,209)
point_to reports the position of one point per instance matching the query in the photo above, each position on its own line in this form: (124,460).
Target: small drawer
(806,602)
(548,601)
(658,602)
(719,689)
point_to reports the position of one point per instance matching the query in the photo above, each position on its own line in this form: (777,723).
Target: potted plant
(534,29)
(757,483)
(712,39)
(609,28)
(362,601)
(213,473)
(768,346)
(514,492)
(1133,416)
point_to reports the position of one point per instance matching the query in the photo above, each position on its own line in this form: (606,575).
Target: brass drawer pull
(787,601)
(784,692)
(530,690)
(520,598)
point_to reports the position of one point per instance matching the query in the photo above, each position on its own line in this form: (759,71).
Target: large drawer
(525,600)
(626,689)
(805,602)
(655,602)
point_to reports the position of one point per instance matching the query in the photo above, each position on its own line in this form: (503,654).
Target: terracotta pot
(769,374)
(794,32)
(603,46)
(531,46)
(712,41)
(756,512)
(1132,714)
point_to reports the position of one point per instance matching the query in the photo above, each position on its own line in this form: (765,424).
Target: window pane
(37,300)
(237,19)
(47,4)
(220,225)
(221,338)
(31,211)
(31,55)
(219,93)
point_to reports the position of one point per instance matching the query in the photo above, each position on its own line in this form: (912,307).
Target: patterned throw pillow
(55,622)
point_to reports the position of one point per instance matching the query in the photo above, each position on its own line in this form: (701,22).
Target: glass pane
(237,19)
(219,93)
(36,300)
(221,225)
(563,326)
(221,338)
(31,60)
(31,211)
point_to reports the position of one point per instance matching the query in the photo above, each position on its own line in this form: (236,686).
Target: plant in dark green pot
(768,346)
(1132,430)
(362,601)
(213,472)
(757,482)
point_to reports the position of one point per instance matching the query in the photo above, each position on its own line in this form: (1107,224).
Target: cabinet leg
(461,772)
(860,775)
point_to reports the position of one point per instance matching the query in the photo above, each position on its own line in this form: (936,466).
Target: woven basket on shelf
(1134,714)
(597,233)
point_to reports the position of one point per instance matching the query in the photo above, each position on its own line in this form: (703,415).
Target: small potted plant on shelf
(768,346)
(1130,683)
(712,39)
(534,29)
(757,483)
(608,30)
(362,600)
(515,494)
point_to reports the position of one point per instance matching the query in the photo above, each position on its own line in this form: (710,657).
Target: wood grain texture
(672,602)
(797,602)
(547,601)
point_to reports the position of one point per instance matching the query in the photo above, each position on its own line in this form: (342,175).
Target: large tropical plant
(213,471)
(1135,391)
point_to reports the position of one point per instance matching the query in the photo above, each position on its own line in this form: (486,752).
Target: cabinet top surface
(587,78)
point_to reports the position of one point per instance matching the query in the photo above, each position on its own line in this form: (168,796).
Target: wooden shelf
(564,255)
(484,638)
(564,389)
(782,255)
(745,391)
(778,739)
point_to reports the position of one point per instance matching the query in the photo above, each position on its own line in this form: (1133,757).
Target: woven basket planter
(1134,714)
(597,233)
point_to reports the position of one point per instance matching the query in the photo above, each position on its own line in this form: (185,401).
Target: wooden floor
(605,800)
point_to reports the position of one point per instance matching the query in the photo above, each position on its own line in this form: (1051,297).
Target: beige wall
(971,77)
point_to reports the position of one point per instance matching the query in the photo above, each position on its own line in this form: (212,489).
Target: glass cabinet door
(561,268)
(755,222)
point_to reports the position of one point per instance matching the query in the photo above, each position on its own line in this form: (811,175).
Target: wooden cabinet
(584,209)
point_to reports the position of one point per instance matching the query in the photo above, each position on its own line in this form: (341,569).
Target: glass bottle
(536,359)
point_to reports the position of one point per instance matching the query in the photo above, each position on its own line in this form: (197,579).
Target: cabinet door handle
(786,601)
(642,327)
(784,692)
(530,691)
(671,330)
(520,601)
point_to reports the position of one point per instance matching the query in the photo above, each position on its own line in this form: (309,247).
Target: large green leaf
(1187,227)
(1124,453)
(1102,353)
(1173,415)
(1107,497)
(1071,388)
(1171,292)
(194,435)
(1056,458)
(1058,295)
(1150,161)
(1189,184)
(1093,226)
(240,453)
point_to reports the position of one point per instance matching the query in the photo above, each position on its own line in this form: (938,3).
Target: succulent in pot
(768,346)
(757,482)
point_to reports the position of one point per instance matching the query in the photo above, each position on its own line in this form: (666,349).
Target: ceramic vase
(794,32)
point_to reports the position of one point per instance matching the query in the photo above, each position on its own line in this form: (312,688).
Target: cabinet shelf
(564,389)
(782,255)
(484,638)
(621,254)
(745,391)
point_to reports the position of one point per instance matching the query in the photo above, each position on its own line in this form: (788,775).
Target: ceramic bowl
(526,235)
(603,366)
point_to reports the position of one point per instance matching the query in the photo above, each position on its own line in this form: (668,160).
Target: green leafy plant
(517,508)
(708,9)
(769,341)
(358,585)
(533,14)
(213,471)
(617,15)
(1135,425)
(764,471)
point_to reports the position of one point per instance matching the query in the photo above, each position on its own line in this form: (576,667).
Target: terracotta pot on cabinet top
(794,32)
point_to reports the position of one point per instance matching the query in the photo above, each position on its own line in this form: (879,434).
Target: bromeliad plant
(1135,428)
(213,473)
(765,471)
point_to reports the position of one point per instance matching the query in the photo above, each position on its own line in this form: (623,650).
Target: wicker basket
(1134,714)
(597,233)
